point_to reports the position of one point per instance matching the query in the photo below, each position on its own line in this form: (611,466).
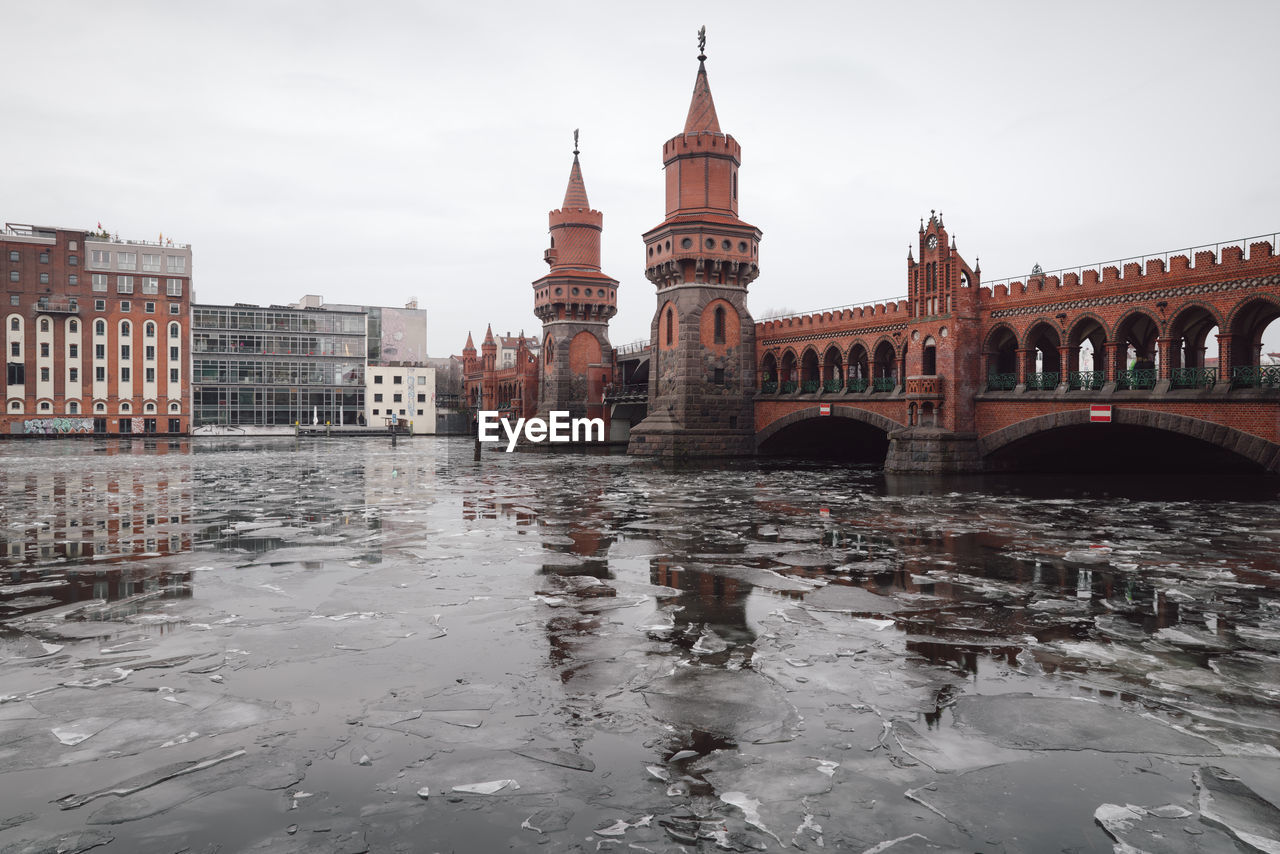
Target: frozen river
(346,647)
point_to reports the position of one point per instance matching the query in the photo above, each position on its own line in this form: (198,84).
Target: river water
(329,646)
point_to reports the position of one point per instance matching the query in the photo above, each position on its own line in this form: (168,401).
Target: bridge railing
(1193,377)
(1086,380)
(833,309)
(1242,243)
(1256,376)
(631,348)
(626,393)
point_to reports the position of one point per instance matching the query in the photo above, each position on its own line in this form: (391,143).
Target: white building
(396,392)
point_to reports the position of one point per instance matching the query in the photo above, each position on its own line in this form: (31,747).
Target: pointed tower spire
(702,110)
(470,346)
(488,335)
(575,195)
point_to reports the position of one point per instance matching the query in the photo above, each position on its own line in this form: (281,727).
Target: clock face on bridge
(933,241)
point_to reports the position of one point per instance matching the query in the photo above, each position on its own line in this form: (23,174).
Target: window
(422,380)
(44,257)
(150,329)
(74,325)
(125,407)
(16,373)
(124,284)
(15,349)
(15,406)
(173,375)
(73,375)
(377,379)
(125,376)
(124,351)
(72,245)
(13,299)
(124,328)
(150,308)
(175,309)
(151,263)
(150,285)
(100,407)
(150,354)
(422,398)
(173,287)
(173,354)
(100,374)
(670,323)
(377,398)
(99,351)
(99,283)
(13,255)
(44,349)
(44,324)
(177,263)
(150,376)
(173,330)
(73,351)
(175,425)
(44,375)
(99,327)
(100,258)
(126,260)
(718,336)
(375,412)
(396,379)
(13,275)
(174,407)
(44,278)
(125,305)
(397,398)
(73,260)
(44,406)
(717,376)
(99,305)
(15,324)
(73,408)
(73,280)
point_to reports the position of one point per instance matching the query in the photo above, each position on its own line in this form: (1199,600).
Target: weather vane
(575,141)
(702,42)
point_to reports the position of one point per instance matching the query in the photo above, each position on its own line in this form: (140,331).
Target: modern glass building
(274,365)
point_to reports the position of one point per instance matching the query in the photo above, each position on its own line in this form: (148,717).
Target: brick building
(96,333)
(489,385)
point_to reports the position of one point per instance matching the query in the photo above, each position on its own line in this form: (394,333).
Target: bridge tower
(575,301)
(701,258)
(941,358)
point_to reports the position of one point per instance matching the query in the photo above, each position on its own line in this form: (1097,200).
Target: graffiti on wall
(137,425)
(55,426)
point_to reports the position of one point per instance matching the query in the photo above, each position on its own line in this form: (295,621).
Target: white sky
(372,152)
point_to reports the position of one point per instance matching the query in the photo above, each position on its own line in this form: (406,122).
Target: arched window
(125,407)
(174,407)
(99,407)
(44,324)
(149,330)
(670,324)
(73,325)
(73,408)
(173,330)
(99,327)
(14,324)
(719,325)
(44,406)
(124,329)
(149,408)
(15,406)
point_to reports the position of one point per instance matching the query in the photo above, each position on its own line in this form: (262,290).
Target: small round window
(742,247)
(724,244)
(575,292)
(686,244)
(668,245)
(559,291)
(711,244)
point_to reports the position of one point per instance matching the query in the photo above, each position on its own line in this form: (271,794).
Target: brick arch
(1210,309)
(852,413)
(1025,340)
(1253,448)
(1078,320)
(1145,311)
(993,331)
(1251,299)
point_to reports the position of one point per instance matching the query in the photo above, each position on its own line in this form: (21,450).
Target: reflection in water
(761,655)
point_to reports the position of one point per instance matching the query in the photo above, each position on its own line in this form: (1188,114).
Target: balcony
(44,306)
(925,386)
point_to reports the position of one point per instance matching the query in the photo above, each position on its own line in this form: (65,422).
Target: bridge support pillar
(924,450)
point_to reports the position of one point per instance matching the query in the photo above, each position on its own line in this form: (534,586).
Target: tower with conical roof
(575,301)
(701,258)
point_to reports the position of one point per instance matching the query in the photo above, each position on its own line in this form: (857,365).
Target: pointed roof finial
(575,194)
(575,142)
(702,109)
(469,345)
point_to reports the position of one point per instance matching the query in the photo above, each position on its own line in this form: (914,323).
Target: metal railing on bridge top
(1141,260)
(833,309)
(626,393)
(631,348)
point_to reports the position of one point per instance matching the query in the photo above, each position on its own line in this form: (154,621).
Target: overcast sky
(373,152)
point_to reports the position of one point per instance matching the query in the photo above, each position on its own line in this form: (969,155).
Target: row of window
(278,320)
(124,284)
(73,407)
(100,327)
(98,305)
(16,374)
(397,398)
(389,412)
(129,261)
(396,379)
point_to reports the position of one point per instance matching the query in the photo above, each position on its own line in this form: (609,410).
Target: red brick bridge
(966,375)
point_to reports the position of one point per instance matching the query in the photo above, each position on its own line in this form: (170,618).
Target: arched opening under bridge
(847,435)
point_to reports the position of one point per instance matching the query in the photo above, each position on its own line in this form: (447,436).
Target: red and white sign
(1100,412)
(824,409)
